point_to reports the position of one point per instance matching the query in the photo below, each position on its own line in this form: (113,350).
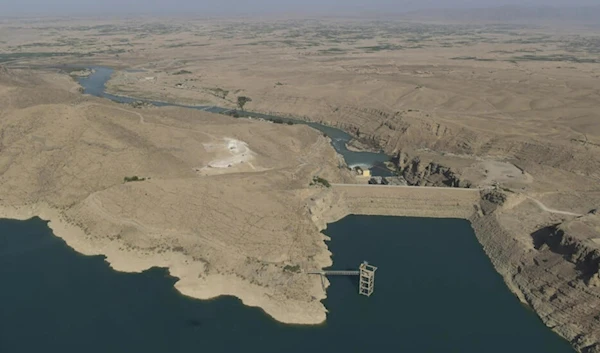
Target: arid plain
(508,111)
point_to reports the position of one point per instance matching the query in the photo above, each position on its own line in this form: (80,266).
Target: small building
(362,172)
(378,180)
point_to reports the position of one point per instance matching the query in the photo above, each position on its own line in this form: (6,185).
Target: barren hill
(220,202)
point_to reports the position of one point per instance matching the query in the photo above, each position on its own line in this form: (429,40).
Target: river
(95,85)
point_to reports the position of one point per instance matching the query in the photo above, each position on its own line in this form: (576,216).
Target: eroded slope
(148,187)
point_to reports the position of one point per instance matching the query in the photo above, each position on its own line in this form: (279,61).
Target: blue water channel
(95,85)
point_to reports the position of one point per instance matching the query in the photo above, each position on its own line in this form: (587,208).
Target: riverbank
(178,265)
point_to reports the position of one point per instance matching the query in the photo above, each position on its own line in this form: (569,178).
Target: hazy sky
(11,7)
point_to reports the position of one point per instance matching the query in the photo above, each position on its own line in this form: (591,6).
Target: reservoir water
(436,292)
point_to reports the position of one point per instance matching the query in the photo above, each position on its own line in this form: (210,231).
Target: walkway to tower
(366,284)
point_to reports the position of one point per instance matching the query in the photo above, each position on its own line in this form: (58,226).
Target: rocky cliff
(416,130)
(420,172)
(552,268)
(578,241)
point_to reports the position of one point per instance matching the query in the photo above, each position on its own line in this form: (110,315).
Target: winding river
(95,85)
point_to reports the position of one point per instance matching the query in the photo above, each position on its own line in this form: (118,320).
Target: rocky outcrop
(140,104)
(394,180)
(576,242)
(418,130)
(421,173)
(82,72)
(357,146)
(491,200)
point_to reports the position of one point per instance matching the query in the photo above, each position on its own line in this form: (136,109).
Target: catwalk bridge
(366,283)
(335,273)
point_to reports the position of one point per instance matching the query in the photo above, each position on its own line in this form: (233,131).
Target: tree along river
(436,291)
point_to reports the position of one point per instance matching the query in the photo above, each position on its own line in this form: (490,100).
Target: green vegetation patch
(219,92)
(293,269)
(242,101)
(181,45)
(32,55)
(555,57)
(132,179)
(182,72)
(382,47)
(332,51)
(320,181)
(472,58)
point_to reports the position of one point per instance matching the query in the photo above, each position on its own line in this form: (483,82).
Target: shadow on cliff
(544,236)
(554,239)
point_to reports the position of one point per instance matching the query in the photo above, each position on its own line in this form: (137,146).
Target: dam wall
(409,201)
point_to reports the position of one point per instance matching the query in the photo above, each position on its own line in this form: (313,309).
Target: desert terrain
(220,202)
(504,116)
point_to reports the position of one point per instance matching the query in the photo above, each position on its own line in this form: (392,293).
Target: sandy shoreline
(188,284)
(332,205)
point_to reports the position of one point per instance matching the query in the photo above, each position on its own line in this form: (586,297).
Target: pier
(366,284)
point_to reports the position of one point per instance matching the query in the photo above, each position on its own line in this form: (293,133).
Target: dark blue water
(436,292)
(95,85)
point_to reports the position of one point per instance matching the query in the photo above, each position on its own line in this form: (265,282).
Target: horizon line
(293,13)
